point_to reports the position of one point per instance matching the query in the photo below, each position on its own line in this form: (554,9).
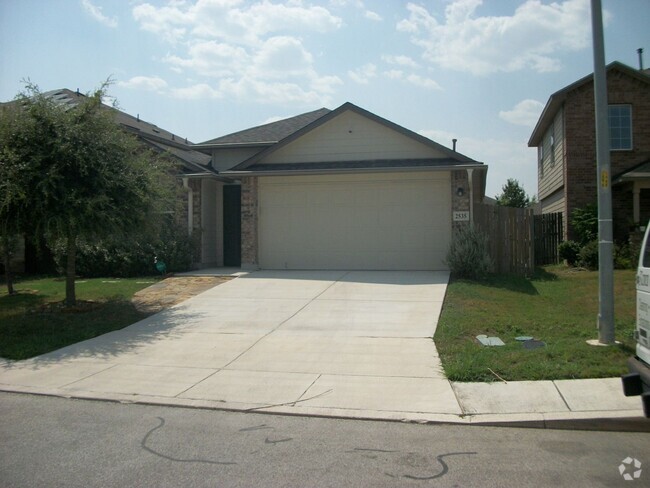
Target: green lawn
(30,325)
(559,306)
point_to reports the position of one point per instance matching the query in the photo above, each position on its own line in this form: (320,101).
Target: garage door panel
(395,223)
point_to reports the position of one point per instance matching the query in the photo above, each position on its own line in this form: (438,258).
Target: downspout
(471,197)
(190,205)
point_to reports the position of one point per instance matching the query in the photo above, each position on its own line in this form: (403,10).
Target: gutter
(412,169)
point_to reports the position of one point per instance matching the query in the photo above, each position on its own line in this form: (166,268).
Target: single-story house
(328,189)
(340,189)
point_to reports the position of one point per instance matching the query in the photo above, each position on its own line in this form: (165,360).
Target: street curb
(588,421)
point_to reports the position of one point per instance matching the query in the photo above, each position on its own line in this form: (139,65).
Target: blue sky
(478,71)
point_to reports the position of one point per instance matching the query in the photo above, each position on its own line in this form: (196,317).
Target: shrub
(588,256)
(134,255)
(585,223)
(468,255)
(625,256)
(569,250)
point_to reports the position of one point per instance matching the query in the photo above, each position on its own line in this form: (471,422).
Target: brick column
(249,188)
(459,179)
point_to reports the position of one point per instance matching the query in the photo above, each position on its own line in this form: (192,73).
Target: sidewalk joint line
(562,397)
(89,376)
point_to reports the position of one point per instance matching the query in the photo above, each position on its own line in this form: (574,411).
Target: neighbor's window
(553,145)
(620,127)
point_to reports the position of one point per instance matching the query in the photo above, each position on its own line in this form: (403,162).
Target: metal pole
(605,236)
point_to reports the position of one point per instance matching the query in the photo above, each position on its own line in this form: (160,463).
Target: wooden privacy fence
(548,236)
(511,237)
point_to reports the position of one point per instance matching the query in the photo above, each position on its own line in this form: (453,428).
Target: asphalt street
(49,441)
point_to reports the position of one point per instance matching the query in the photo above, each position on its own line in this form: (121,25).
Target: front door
(232,225)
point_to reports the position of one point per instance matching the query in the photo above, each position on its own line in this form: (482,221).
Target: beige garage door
(373,221)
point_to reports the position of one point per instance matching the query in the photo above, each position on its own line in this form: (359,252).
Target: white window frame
(631,147)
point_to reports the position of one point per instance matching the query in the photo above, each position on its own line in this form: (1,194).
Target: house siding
(224,159)
(551,166)
(212,223)
(580,132)
(351,137)
(554,203)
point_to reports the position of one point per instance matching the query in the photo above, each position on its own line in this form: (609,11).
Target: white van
(638,381)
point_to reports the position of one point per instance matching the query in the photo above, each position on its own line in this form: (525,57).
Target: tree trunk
(8,277)
(71,254)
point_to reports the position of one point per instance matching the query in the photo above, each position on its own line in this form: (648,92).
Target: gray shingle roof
(160,139)
(270,133)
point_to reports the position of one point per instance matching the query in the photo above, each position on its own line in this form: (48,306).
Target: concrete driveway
(348,343)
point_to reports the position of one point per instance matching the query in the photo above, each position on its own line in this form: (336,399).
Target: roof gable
(556,100)
(351,114)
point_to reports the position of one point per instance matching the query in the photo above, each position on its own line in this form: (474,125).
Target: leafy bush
(569,251)
(134,255)
(588,256)
(468,255)
(585,223)
(625,256)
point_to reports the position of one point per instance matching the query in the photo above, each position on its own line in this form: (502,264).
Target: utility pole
(605,234)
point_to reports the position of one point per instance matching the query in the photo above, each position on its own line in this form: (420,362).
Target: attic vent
(156,131)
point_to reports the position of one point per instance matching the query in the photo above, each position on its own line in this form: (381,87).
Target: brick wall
(580,170)
(249,195)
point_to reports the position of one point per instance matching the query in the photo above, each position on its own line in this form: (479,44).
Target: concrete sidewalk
(326,343)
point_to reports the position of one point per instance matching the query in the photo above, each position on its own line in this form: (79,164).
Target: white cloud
(394,74)
(232,20)
(240,49)
(363,74)
(423,82)
(533,37)
(414,79)
(282,57)
(96,13)
(525,113)
(505,158)
(147,83)
(399,60)
(200,91)
(374,16)
(212,58)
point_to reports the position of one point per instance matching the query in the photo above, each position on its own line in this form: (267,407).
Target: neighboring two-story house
(565,137)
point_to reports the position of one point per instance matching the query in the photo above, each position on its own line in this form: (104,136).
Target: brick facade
(249,217)
(580,167)
(580,177)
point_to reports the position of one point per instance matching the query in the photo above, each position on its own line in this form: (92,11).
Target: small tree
(13,192)
(87,177)
(513,195)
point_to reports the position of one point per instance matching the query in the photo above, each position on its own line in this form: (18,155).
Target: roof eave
(233,145)
(394,169)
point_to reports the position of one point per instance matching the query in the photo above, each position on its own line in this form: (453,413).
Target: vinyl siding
(554,203)
(351,137)
(551,168)
(226,158)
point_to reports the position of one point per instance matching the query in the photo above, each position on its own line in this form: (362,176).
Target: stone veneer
(249,196)
(459,179)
